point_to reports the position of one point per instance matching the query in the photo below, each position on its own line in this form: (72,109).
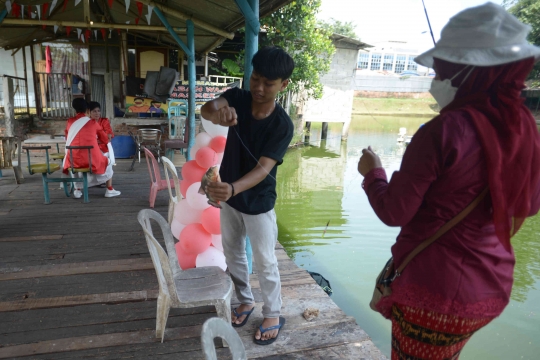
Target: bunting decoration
(103,33)
(29,9)
(127,22)
(95,34)
(137,21)
(79,31)
(77,2)
(22,11)
(110,3)
(52,6)
(149,15)
(128,2)
(16,10)
(55,28)
(68,30)
(38,9)
(87,34)
(110,33)
(139,7)
(8,6)
(119,31)
(65,4)
(45,7)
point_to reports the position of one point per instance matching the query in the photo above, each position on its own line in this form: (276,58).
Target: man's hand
(226,116)
(220,191)
(368,161)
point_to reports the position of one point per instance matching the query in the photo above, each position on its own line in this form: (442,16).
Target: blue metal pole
(189,50)
(3,14)
(191,90)
(250,10)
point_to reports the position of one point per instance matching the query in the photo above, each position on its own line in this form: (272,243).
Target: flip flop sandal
(263,330)
(247,313)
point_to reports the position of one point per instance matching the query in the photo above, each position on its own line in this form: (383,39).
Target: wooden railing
(55,95)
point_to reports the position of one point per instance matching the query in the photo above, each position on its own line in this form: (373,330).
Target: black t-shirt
(269,137)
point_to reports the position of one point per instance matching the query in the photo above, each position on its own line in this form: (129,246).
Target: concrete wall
(394,84)
(336,103)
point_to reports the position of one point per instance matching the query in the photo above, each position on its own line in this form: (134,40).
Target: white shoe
(77,194)
(111,193)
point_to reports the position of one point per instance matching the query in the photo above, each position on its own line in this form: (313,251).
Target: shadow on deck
(76,281)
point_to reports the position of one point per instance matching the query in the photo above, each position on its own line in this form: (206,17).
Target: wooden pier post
(324,132)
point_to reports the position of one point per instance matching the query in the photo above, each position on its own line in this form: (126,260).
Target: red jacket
(106,126)
(87,136)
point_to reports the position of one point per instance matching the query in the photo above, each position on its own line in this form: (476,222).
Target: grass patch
(394,106)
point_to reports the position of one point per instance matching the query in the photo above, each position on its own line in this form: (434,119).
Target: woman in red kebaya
(83,131)
(95,113)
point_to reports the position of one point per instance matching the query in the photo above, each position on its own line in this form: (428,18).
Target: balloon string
(245,147)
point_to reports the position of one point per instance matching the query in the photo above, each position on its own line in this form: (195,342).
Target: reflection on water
(327,225)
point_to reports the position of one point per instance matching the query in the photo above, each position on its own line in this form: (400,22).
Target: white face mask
(443,91)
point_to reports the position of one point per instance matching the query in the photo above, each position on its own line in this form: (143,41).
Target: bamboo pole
(81,24)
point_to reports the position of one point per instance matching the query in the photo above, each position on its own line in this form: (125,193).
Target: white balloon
(214,130)
(219,158)
(196,200)
(185,214)
(193,151)
(216,241)
(202,139)
(211,257)
(176,228)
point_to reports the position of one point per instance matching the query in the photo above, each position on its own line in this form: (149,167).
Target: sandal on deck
(263,330)
(247,313)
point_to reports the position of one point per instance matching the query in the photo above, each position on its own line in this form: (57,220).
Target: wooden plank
(62,301)
(31,238)
(95,267)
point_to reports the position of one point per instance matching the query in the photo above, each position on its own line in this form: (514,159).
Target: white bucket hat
(485,35)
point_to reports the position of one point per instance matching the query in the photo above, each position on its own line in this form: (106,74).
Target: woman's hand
(368,161)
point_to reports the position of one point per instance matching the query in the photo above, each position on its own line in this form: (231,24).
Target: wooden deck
(76,282)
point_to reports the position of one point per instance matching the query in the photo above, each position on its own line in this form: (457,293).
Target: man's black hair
(273,63)
(79,104)
(93,104)
(155,102)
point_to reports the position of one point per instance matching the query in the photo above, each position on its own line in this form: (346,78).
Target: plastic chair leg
(85,187)
(153,195)
(45,188)
(223,310)
(163,306)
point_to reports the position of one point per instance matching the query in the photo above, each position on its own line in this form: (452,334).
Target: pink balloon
(185,214)
(184,185)
(216,242)
(211,257)
(219,158)
(192,172)
(196,200)
(186,261)
(205,157)
(194,239)
(210,220)
(176,228)
(218,144)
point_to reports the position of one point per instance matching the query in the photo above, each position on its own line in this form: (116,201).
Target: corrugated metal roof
(221,14)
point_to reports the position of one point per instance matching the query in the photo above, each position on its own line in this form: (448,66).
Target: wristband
(232,187)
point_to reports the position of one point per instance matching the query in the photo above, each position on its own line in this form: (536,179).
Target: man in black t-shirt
(259,135)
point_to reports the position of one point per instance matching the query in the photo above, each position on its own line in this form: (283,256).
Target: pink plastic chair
(155,177)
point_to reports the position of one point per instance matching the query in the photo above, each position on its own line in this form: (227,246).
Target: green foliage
(294,28)
(528,11)
(338,27)
(232,68)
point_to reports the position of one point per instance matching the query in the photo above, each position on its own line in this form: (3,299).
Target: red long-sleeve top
(106,126)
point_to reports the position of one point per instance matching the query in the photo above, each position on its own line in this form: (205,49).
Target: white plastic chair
(182,289)
(169,168)
(215,327)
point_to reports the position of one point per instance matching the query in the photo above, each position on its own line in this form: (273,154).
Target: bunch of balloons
(196,224)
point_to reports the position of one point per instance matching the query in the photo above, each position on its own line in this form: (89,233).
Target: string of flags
(46,9)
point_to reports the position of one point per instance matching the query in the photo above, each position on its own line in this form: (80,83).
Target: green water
(319,185)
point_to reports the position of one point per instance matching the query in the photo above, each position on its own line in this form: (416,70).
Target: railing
(224,79)
(55,95)
(20,95)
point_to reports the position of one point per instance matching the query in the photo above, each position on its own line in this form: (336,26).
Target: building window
(388,62)
(412,65)
(375,62)
(363,60)
(400,63)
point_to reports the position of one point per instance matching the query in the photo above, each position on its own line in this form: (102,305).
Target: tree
(338,27)
(294,28)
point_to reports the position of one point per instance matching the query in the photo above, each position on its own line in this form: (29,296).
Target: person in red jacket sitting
(95,113)
(82,131)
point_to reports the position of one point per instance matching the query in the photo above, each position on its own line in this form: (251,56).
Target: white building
(391,57)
